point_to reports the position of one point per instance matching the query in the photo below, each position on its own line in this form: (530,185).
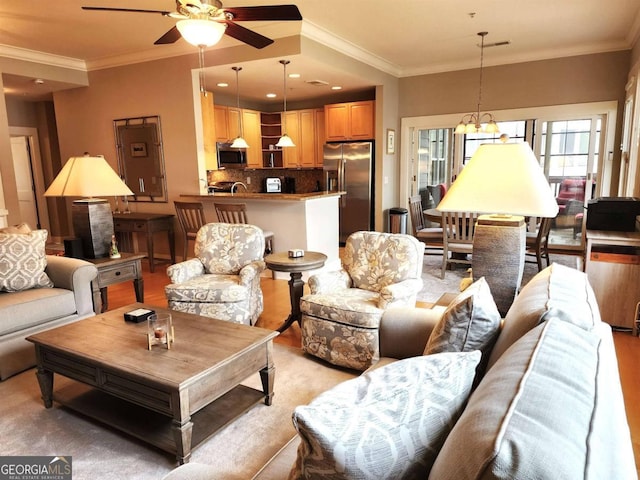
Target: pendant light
(239,141)
(285,140)
(472,122)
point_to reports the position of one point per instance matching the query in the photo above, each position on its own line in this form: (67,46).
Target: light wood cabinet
(350,121)
(221,127)
(253,137)
(233,123)
(320,137)
(209,131)
(612,264)
(301,127)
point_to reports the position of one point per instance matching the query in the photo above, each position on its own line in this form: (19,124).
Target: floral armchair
(341,315)
(223,281)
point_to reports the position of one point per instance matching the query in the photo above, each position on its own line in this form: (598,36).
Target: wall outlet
(248,180)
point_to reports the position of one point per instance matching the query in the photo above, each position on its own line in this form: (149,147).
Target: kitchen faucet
(235,184)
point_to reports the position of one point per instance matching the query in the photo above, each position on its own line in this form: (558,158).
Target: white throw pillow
(387,423)
(23,260)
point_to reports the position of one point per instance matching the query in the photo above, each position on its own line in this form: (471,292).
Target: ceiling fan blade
(135,10)
(170,37)
(247,36)
(269,12)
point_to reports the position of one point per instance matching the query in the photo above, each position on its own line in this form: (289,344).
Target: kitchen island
(308,221)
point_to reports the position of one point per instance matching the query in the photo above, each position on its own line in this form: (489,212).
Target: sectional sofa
(459,394)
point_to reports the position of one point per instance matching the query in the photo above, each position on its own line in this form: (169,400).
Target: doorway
(27,165)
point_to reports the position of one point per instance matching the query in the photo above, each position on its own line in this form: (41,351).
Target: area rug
(100,453)
(433,286)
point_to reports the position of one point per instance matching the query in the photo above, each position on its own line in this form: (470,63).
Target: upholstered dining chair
(341,315)
(191,219)
(430,236)
(537,243)
(223,280)
(457,238)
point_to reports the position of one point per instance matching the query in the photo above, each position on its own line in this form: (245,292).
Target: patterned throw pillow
(470,322)
(22,261)
(388,423)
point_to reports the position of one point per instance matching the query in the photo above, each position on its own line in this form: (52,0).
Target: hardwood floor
(277,308)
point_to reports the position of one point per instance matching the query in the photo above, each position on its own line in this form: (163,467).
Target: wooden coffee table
(174,399)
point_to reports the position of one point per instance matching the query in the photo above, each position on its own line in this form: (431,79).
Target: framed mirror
(140,157)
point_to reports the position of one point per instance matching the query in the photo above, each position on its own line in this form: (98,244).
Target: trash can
(398,220)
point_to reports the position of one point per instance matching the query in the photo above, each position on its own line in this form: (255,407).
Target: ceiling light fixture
(239,141)
(472,122)
(285,140)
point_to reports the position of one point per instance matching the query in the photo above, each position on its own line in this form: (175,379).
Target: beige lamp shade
(504,179)
(87,177)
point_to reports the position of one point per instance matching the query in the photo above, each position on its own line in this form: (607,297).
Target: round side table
(281,262)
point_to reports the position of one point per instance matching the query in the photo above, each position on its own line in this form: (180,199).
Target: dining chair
(430,236)
(537,243)
(457,238)
(237,213)
(191,218)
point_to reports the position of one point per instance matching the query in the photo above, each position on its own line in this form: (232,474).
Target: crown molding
(331,40)
(16,53)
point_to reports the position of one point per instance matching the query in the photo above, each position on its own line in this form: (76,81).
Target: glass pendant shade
(239,142)
(285,141)
(201,32)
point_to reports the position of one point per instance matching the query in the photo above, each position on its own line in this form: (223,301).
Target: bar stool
(191,218)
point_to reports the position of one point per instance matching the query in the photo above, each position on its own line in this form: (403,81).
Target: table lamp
(92,218)
(505,182)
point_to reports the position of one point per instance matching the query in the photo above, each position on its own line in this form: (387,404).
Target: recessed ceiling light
(222,84)
(271,95)
(294,75)
(336,87)
(38,81)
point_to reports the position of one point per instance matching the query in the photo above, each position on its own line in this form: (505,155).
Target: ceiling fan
(222,19)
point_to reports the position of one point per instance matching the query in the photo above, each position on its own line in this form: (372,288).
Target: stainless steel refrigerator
(348,167)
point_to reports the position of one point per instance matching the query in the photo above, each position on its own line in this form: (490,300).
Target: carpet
(100,453)
(433,286)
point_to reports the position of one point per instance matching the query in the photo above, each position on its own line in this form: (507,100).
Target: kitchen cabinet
(253,137)
(350,121)
(221,123)
(320,137)
(612,264)
(301,127)
(209,130)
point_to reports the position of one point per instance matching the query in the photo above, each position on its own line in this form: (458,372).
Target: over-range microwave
(230,157)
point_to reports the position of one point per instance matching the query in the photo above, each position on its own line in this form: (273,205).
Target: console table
(126,224)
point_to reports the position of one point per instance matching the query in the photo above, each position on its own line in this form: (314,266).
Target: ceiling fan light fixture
(201,32)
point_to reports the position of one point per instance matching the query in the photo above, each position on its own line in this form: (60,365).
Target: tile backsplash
(306,180)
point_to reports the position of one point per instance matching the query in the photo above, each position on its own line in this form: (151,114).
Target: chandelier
(475,122)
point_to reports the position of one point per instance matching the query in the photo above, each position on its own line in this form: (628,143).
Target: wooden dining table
(433,215)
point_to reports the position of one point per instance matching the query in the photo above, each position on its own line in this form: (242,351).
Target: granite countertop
(267,196)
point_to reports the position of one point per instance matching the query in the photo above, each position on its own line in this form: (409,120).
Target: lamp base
(498,255)
(93,224)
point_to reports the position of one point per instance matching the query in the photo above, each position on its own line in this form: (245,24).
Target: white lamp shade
(239,142)
(501,178)
(200,32)
(87,177)
(285,141)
